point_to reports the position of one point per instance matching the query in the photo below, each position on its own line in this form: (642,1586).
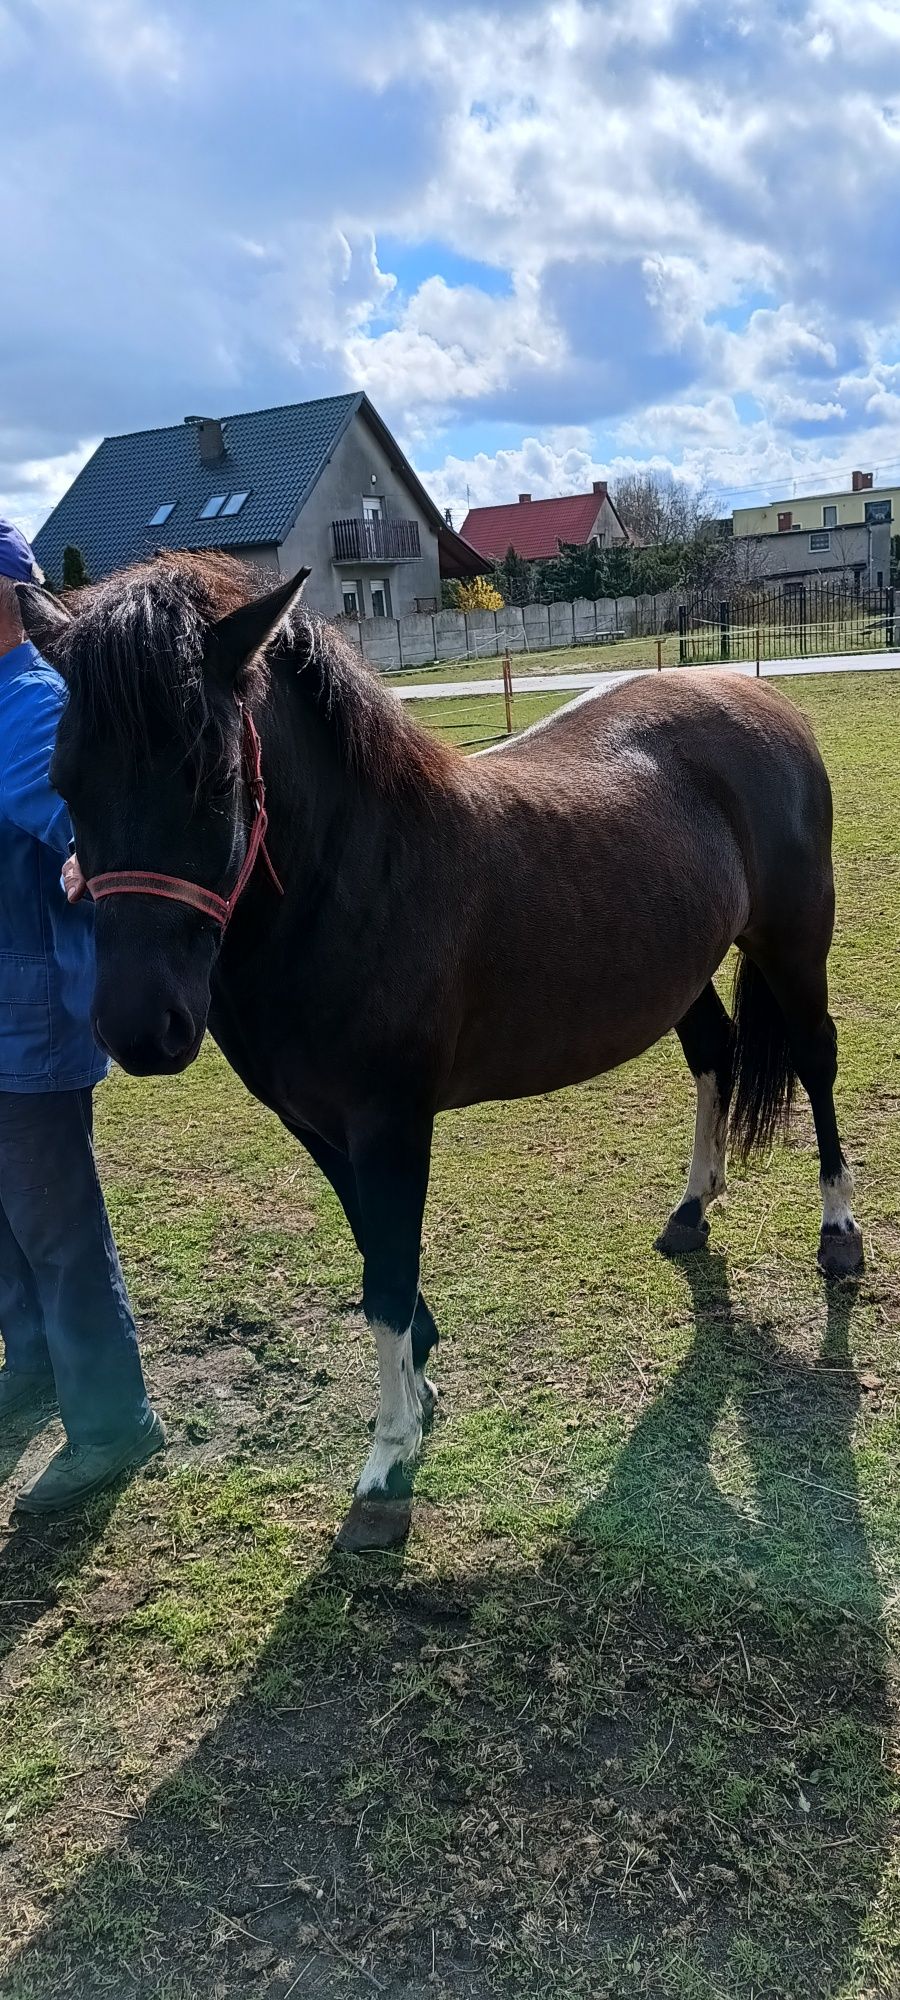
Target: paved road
(837,663)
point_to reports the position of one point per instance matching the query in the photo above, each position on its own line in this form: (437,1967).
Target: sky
(552,242)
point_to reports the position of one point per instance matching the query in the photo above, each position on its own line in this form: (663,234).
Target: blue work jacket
(46,943)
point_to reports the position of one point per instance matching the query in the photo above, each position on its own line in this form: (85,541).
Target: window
(372,509)
(381,597)
(829,517)
(235,502)
(879,580)
(162,513)
(877,512)
(819,541)
(351,600)
(213,507)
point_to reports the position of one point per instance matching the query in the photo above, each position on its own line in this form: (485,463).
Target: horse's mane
(133,659)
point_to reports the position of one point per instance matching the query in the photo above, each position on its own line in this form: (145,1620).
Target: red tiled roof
(532,527)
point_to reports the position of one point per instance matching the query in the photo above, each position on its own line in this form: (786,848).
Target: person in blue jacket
(67,1326)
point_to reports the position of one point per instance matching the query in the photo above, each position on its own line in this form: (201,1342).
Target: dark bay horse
(430,929)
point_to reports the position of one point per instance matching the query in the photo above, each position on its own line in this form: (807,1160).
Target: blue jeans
(63,1304)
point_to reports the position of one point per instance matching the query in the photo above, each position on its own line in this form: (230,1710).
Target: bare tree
(657,509)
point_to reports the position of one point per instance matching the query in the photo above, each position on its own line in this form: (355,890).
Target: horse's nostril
(178,1032)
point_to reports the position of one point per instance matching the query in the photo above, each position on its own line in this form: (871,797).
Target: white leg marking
(398,1428)
(706,1179)
(837,1202)
(427,1392)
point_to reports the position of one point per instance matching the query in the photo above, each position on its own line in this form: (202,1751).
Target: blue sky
(551,241)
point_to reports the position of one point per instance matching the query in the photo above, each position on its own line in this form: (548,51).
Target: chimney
(599,488)
(862,482)
(210,438)
(523,497)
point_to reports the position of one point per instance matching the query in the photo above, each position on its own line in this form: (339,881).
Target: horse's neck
(318,810)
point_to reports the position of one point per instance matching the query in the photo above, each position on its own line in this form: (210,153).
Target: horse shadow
(645,1758)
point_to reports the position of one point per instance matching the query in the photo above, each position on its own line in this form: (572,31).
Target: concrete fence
(394,644)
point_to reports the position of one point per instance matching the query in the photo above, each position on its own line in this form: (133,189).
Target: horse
(376,928)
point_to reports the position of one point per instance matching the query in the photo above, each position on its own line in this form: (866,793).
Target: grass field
(838,638)
(621,1722)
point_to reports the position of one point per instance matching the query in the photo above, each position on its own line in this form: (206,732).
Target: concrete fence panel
(449,635)
(379,639)
(606,614)
(510,629)
(584,618)
(417,646)
(562,625)
(536,622)
(481,635)
(423,637)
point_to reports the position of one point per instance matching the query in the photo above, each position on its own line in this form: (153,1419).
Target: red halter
(171,888)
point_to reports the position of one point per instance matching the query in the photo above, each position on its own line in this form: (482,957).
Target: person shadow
(643,1757)
(39,1557)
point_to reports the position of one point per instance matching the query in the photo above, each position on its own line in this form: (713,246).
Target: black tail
(764,1075)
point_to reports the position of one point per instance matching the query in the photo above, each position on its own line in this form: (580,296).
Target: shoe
(25,1395)
(77,1472)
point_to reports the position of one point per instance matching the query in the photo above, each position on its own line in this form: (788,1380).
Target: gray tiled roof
(275,455)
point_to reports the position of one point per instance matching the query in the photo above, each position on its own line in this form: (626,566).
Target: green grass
(648,651)
(622,1721)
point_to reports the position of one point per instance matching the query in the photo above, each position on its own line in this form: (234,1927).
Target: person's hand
(73,881)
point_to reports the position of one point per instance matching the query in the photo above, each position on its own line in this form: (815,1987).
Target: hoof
(678,1239)
(841,1253)
(374,1523)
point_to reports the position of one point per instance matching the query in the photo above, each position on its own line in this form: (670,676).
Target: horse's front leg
(391,1168)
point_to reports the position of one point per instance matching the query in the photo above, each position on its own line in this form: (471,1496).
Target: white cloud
(691,207)
(36,484)
(124,38)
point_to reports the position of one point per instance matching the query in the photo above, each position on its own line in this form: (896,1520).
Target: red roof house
(535,528)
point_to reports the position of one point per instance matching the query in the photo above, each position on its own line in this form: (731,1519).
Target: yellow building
(836,537)
(864,506)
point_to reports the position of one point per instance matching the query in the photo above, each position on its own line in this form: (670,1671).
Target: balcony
(375,541)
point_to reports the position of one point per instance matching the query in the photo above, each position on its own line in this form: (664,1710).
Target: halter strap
(172,888)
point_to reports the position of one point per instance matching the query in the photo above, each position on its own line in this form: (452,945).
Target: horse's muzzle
(161,1048)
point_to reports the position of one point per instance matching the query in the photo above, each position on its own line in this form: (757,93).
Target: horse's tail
(764,1075)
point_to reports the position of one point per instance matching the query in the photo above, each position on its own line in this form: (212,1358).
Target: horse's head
(148,758)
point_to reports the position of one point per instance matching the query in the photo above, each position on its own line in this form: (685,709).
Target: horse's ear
(45,619)
(235,638)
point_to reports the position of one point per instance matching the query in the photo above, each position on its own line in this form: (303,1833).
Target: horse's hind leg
(802,994)
(705,1036)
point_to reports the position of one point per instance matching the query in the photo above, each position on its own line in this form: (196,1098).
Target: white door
(372,518)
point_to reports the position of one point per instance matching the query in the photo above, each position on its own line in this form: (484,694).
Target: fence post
(659,656)
(724,630)
(507,690)
(757,652)
(682,634)
(889,621)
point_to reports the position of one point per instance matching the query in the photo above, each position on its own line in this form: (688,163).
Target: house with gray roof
(320,484)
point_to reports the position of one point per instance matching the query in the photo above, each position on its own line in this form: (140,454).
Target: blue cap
(16,558)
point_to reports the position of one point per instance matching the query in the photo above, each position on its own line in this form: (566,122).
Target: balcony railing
(375,541)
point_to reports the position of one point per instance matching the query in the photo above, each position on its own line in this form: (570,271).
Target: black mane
(133,659)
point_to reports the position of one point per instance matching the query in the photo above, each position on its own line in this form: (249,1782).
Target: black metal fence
(794,621)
